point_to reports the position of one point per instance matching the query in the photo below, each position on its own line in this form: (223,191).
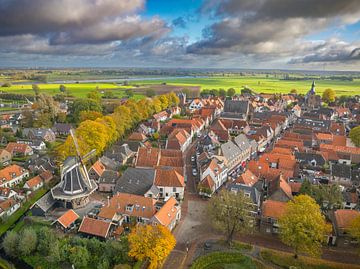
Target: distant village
(265,145)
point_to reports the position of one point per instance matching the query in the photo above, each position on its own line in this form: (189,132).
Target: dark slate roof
(45,202)
(254,193)
(355,176)
(133,145)
(341,170)
(313,123)
(236,106)
(307,158)
(135,181)
(62,127)
(109,177)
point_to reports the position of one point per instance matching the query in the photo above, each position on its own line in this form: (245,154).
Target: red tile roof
(68,218)
(168,177)
(167,213)
(137,137)
(345,217)
(147,157)
(247,178)
(95,227)
(35,181)
(98,167)
(10,172)
(14,147)
(273,209)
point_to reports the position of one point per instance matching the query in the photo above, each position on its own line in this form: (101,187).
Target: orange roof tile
(168,177)
(295,186)
(147,157)
(273,209)
(14,147)
(167,212)
(207,182)
(342,149)
(98,167)
(10,172)
(345,217)
(95,227)
(33,182)
(6,204)
(137,137)
(68,218)
(324,136)
(247,178)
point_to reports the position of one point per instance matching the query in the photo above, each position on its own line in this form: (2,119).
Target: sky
(274,34)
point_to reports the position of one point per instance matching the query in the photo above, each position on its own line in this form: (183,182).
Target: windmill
(75,186)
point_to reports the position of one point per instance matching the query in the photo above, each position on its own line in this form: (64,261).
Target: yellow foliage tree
(152,243)
(89,115)
(328,96)
(303,227)
(355,228)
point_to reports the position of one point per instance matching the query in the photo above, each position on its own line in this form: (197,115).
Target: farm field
(261,84)
(76,89)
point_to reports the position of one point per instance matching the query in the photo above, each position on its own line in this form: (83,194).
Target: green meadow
(262,84)
(77,89)
(258,83)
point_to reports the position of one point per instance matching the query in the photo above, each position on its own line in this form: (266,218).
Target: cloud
(179,22)
(264,29)
(78,21)
(331,51)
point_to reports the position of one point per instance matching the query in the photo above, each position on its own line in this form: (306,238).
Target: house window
(161,189)
(174,189)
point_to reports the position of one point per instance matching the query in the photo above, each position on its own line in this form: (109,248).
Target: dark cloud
(266,28)
(179,22)
(78,21)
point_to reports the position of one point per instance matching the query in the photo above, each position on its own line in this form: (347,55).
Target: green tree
(150,93)
(10,244)
(28,242)
(328,96)
(109,95)
(36,89)
(62,88)
(303,227)
(230,213)
(355,135)
(79,257)
(231,92)
(222,93)
(84,105)
(46,239)
(214,92)
(94,95)
(129,92)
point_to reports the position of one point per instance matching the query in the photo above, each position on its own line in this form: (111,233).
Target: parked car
(194,172)
(193,158)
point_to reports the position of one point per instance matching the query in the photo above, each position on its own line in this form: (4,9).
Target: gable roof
(247,178)
(10,172)
(68,218)
(95,227)
(230,151)
(137,137)
(17,147)
(147,157)
(135,181)
(33,182)
(168,177)
(167,213)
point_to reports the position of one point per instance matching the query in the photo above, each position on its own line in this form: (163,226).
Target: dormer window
(130,207)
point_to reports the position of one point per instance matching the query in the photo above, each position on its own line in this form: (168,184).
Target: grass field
(261,84)
(76,89)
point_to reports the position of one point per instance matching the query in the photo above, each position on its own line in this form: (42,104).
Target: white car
(193,158)
(194,172)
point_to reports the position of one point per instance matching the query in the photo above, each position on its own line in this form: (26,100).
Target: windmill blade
(88,155)
(75,143)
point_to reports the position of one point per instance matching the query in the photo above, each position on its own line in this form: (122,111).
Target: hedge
(215,258)
(286,260)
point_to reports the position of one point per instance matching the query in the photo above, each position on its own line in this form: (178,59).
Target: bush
(6,84)
(220,258)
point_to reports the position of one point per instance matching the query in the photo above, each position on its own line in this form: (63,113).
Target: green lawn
(224,260)
(263,84)
(21,211)
(76,89)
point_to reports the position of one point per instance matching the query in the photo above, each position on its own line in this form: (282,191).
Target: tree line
(98,131)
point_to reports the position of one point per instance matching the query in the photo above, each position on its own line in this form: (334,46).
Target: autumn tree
(231,92)
(293,91)
(328,96)
(303,227)
(355,136)
(355,228)
(36,89)
(230,213)
(84,105)
(62,88)
(94,95)
(89,115)
(152,243)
